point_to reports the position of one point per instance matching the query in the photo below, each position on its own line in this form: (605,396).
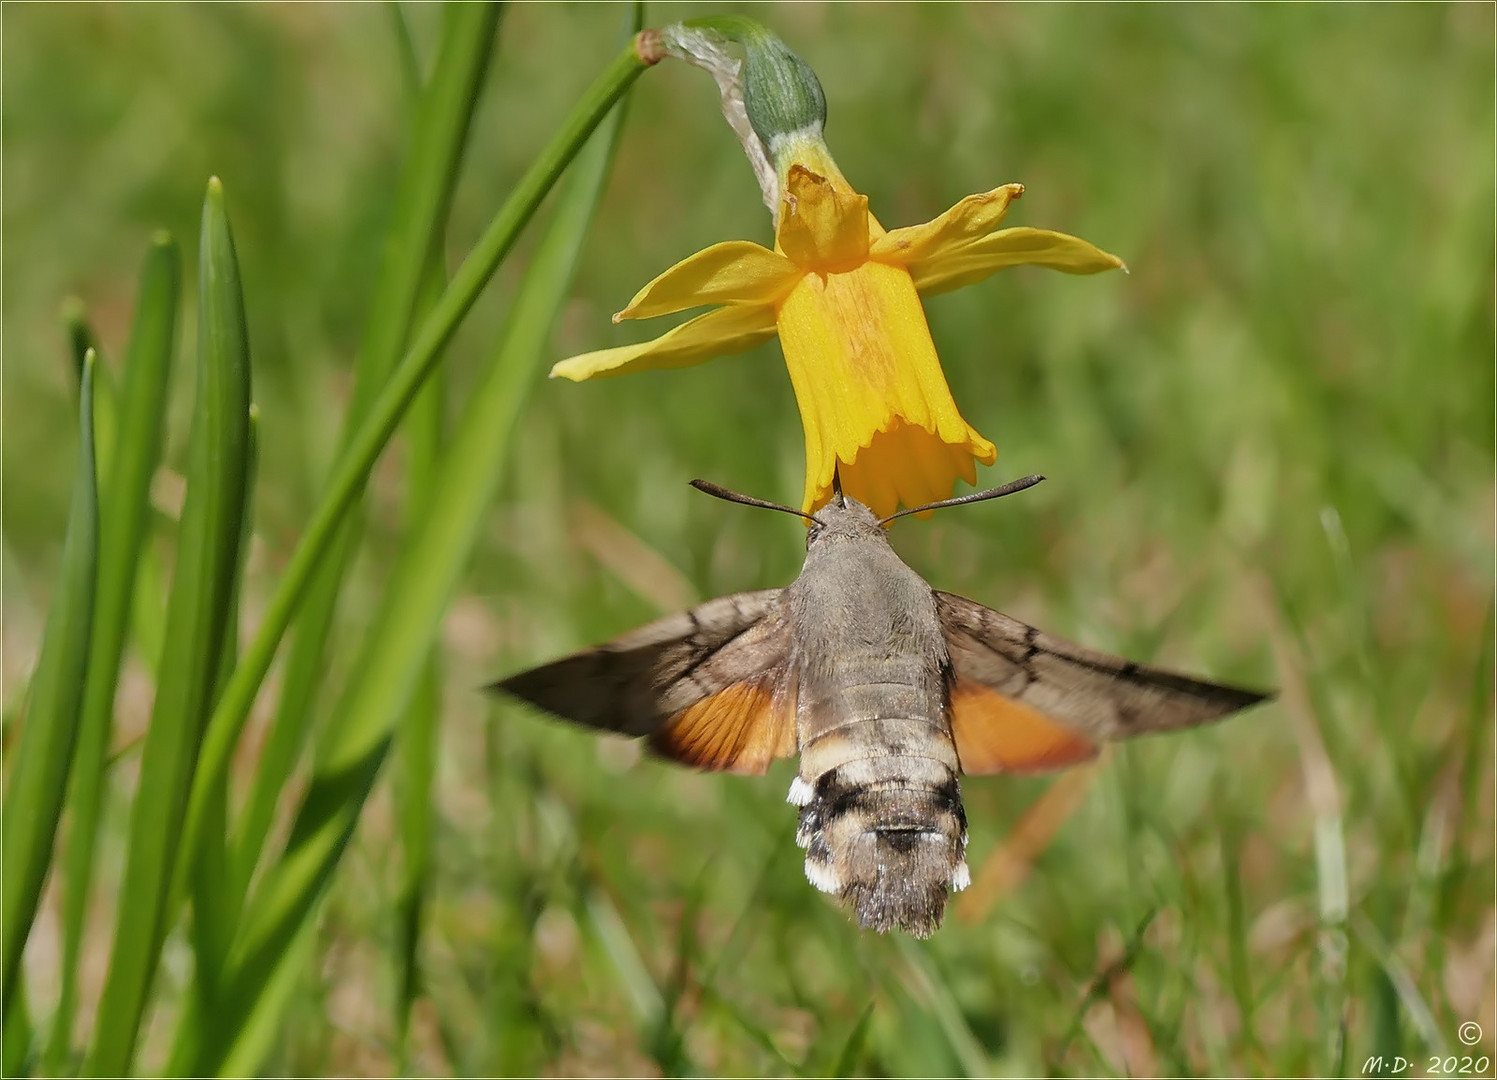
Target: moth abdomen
(901,879)
(888,836)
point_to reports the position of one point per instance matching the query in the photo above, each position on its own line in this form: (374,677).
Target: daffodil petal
(1010,247)
(822,228)
(718,333)
(971,219)
(733,272)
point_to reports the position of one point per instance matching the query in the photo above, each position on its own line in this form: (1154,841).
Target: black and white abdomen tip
(888,836)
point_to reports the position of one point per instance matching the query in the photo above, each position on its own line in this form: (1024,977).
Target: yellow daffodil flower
(843,294)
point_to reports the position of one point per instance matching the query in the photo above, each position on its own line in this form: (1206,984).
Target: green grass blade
(937,997)
(405,45)
(419,730)
(852,1050)
(148,613)
(44,755)
(215,906)
(16,1033)
(283,742)
(756,1032)
(256,1040)
(81,338)
(1403,985)
(124,521)
(437,139)
(415,813)
(406,626)
(197,619)
(634,977)
(367,444)
(1238,964)
(420,727)
(1473,751)
(213,912)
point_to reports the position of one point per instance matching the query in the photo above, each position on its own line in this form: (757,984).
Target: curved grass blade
(16,1034)
(852,1050)
(1402,983)
(255,1041)
(440,120)
(1102,983)
(386,673)
(81,338)
(438,138)
(369,441)
(419,731)
(124,521)
(435,148)
(44,755)
(420,727)
(634,977)
(666,1039)
(937,996)
(756,1032)
(197,619)
(215,907)
(1473,751)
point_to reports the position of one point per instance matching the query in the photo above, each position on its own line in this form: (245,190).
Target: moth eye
(812,535)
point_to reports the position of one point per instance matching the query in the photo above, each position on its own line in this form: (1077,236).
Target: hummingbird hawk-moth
(886,688)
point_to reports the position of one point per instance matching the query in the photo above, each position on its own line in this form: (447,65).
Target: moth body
(887,691)
(880,805)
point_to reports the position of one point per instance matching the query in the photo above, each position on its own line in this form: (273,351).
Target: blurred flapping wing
(710,687)
(1026,701)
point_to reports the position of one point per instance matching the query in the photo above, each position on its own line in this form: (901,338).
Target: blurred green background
(1270,461)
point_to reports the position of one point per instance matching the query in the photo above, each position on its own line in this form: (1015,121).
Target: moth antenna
(748,500)
(837,486)
(977,496)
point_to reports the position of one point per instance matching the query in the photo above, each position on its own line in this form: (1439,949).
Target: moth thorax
(888,836)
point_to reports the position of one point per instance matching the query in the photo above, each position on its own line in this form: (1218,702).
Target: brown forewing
(710,685)
(1049,682)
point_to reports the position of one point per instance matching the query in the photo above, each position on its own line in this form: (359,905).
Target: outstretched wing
(711,687)
(1025,701)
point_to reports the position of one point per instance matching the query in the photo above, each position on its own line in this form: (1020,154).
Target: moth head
(842,518)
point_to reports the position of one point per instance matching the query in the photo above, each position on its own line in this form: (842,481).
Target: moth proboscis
(886,688)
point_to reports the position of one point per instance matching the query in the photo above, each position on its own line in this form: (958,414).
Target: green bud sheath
(780,91)
(781,94)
